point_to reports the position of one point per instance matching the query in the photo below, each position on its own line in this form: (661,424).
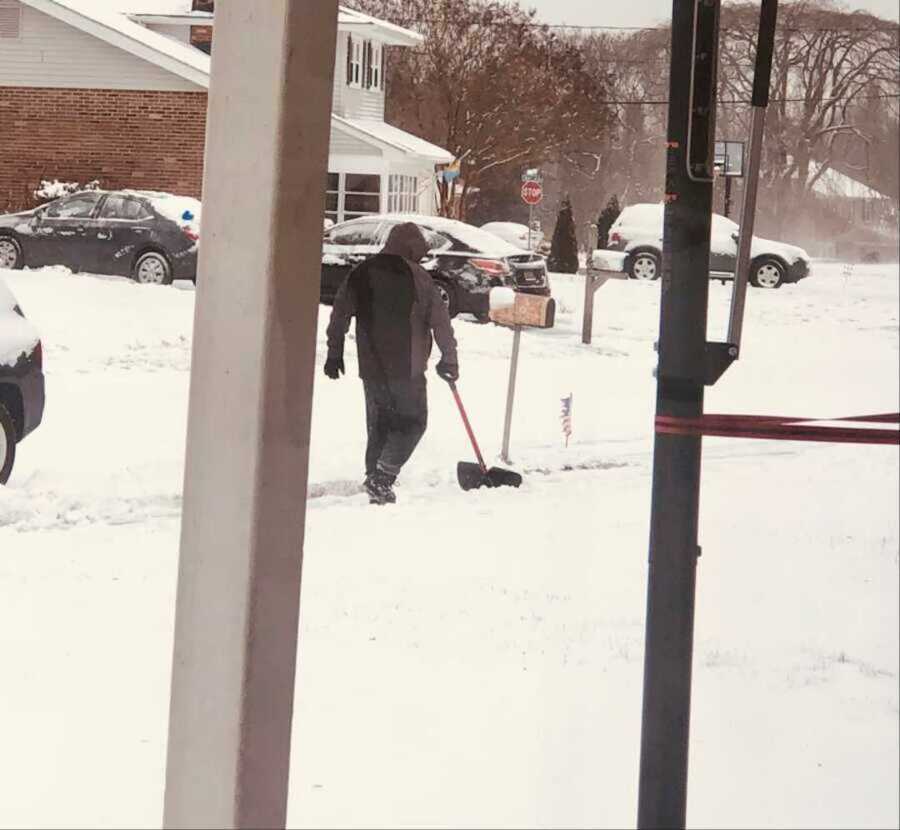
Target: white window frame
(377,66)
(403,193)
(341,214)
(356,63)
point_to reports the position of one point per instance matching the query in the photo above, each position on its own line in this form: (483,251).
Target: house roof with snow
(106,20)
(120,23)
(385,136)
(833,183)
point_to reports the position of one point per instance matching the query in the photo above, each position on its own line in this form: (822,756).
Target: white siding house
(144,45)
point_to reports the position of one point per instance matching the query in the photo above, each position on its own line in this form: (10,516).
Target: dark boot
(380,490)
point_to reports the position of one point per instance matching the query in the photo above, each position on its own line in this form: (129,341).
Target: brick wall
(137,139)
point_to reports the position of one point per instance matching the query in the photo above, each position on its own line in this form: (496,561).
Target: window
(121,207)
(365,64)
(349,195)
(9,19)
(355,233)
(362,194)
(436,241)
(377,67)
(403,194)
(355,62)
(80,206)
(332,196)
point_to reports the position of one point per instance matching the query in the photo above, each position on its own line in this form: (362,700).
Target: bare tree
(489,84)
(827,63)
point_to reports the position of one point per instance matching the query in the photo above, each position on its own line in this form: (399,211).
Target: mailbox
(514,309)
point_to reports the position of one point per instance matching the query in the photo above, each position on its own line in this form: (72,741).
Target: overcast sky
(648,12)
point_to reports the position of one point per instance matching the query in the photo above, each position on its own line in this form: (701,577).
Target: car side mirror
(735,236)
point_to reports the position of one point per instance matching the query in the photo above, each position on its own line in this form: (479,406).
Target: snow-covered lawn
(474,660)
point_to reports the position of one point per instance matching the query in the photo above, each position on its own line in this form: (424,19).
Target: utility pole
(682,374)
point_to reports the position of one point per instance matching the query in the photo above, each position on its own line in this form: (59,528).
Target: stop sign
(532,193)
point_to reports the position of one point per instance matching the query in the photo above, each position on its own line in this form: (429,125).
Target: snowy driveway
(474,659)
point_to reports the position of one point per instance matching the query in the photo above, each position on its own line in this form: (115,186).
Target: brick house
(115,90)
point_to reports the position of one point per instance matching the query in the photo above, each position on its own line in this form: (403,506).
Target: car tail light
(190,233)
(615,237)
(491,267)
(38,355)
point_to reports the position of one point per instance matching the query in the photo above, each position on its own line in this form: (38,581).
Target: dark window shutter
(349,59)
(367,64)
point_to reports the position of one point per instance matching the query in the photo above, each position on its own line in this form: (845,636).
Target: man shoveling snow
(397,309)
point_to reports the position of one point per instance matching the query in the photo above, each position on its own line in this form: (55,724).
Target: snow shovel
(472,476)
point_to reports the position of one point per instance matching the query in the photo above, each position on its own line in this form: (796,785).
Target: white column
(249,419)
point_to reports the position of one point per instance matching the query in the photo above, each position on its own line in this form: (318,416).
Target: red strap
(782,428)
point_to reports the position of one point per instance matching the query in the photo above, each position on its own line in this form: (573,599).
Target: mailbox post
(517,311)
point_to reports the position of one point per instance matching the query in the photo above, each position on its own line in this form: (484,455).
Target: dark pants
(396,417)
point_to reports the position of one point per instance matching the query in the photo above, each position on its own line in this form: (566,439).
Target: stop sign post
(532,193)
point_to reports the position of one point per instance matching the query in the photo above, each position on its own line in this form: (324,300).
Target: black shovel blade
(471,477)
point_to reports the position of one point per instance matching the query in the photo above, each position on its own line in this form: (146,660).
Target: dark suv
(21,380)
(464,261)
(148,236)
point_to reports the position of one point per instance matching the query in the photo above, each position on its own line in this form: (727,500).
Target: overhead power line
(747,102)
(536,24)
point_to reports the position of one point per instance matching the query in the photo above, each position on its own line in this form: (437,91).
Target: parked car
(465,261)
(516,234)
(21,380)
(639,230)
(148,236)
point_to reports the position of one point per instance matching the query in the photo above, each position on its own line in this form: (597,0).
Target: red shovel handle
(468,426)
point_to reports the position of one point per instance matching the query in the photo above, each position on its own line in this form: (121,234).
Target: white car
(638,232)
(515,234)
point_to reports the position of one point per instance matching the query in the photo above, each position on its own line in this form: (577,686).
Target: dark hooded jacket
(397,309)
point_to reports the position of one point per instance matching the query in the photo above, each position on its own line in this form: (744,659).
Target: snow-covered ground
(474,660)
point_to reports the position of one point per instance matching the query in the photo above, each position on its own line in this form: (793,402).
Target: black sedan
(150,237)
(464,261)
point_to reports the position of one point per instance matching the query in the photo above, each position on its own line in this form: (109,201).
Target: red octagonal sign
(532,193)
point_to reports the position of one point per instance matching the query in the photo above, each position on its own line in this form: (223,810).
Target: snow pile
(50,190)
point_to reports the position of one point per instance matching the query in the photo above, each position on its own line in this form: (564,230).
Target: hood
(9,220)
(406,240)
(789,253)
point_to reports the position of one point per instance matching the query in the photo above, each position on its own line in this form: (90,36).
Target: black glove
(447,371)
(334,367)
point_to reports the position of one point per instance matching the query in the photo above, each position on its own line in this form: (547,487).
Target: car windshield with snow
(148,236)
(21,379)
(638,232)
(464,261)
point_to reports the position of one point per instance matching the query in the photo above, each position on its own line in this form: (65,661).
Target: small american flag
(566,417)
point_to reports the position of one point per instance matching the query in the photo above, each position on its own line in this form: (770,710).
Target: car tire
(7,444)
(152,268)
(644,265)
(11,253)
(767,273)
(448,295)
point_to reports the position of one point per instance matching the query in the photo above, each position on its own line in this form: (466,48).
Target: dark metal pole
(765,46)
(681,379)
(727,210)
